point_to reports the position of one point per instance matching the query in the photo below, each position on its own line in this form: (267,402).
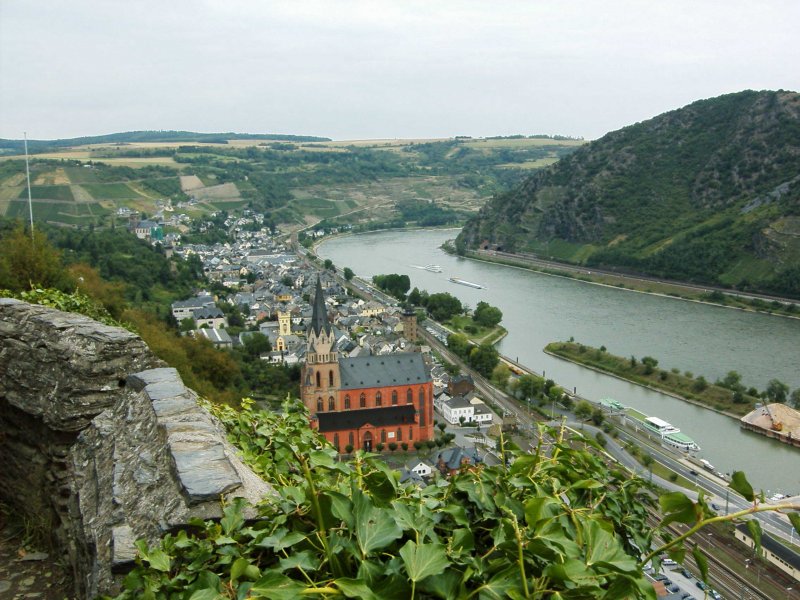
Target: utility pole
(28,175)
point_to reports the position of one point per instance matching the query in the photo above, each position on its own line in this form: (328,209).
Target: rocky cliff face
(102,443)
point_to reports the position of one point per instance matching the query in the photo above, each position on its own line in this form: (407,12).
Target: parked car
(702,585)
(673,588)
(668,562)
(686,573)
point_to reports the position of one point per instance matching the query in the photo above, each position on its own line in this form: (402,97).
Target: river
(537,309)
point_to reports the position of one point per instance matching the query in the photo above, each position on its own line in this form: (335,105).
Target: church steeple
(319,315)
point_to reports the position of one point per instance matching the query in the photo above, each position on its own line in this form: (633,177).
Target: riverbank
(782,307)
(645,372)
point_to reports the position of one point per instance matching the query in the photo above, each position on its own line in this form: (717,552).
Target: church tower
(409,319)
(320,380)
(284,323)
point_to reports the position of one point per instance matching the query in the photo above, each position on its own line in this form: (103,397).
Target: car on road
(673,588)
(715,507)
(686,573)
(687,597)
(702,585)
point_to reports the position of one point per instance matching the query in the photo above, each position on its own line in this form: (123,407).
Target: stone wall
(103,444)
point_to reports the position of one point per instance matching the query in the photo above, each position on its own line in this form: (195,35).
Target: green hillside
(708,193)
(369,184)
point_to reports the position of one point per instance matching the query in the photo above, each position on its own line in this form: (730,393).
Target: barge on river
(777,421)
(477,286)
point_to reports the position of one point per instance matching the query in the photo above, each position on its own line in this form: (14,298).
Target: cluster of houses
(275,292)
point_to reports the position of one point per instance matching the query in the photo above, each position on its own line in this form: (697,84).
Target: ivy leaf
(238,568)
(233,518)
(319,458)
(157,558)
(375,527)
(449,585)
(276,586)
(754,527)
(677,507)
(504,584)
(206,594)
(423,560)
(355,588)
(341,508)
(281,540)
(463,541)
(702,563)
(740,484)
(603,549)
(303,560)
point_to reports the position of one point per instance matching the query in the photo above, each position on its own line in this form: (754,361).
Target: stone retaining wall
(103,444)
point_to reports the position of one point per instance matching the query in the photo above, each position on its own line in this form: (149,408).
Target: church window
(330,378)
(421,397)
(319,380)
(319,405)
(399,434)
(336,441)
(347,401)
(422,412)
(378,399)
(383,435)
(362,401)
(394,397)
(409,396)
(331,403)
(350,438)
(410,433)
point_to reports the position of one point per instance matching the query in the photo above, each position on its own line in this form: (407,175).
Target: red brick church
(365,400)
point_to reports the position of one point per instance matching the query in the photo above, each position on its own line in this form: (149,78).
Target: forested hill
(128,137)
(709,192)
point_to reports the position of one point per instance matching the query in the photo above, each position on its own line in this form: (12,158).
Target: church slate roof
(403,368)
(387,416)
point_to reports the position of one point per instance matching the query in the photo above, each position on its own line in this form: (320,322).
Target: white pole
(28,175)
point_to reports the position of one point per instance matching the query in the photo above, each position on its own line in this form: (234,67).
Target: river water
(538,309)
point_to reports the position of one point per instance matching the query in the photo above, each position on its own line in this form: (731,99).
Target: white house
(421,468)
(455,408)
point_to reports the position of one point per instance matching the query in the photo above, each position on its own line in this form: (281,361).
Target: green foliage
(348,273)
(75,302)
(726,395)
(777,391)
(487,315)
(700,193)
(443,306)
(29,261)
(393,284)
(350,530)
(484,359)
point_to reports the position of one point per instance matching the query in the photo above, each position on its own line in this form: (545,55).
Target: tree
(257,344)
(186,324)
(392,446)
(777,391)
(458,344)
(393,284)
(597,416)
(442,426)
(349,448)
(732,381)
(443,306)
(418,445)
(404,446)
(26,262)
(500,375)
(583,410)
(348,273)
(487,315)
(795,398)
(415,297)
(484,359)
(380,446)
(328,264)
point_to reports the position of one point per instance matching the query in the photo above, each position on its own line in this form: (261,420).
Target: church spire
(319,315)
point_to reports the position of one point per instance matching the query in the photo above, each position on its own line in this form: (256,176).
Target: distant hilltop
(707,193)
(129,137)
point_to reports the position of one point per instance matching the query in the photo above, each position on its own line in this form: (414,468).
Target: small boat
(467,283)
(433,268)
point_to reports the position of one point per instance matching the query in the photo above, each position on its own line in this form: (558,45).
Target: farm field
(295,183)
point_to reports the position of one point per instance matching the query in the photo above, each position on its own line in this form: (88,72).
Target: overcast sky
(375,69)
